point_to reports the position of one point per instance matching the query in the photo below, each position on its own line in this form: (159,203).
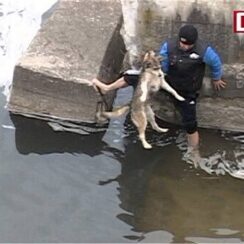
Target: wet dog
(151,80)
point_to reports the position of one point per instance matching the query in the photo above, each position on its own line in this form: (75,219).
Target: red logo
(238,21)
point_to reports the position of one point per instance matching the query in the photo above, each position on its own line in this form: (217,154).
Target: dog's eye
(156,67)
(147,65)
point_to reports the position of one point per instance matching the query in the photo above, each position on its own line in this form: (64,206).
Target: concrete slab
(81,40)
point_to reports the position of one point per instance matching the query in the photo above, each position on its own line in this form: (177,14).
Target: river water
(65,187)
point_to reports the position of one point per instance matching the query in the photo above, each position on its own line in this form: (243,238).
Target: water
(65,187)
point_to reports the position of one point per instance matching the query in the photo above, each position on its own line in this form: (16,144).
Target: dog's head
(151,65)
(151,61)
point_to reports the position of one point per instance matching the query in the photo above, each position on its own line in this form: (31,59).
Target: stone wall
(157,20)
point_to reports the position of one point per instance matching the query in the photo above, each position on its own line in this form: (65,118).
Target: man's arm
(212,59)
(164,53)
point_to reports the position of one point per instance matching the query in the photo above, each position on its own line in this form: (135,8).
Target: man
(184,60)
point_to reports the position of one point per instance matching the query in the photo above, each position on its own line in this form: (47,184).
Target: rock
(212,112)
(81,40)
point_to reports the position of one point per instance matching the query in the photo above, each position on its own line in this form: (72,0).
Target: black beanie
(188,34)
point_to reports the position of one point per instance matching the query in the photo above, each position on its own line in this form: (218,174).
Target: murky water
(65,187)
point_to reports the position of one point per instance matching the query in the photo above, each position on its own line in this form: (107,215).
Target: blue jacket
(210,57)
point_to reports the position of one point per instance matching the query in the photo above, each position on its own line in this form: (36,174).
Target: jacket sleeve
(164,53)
(212,59)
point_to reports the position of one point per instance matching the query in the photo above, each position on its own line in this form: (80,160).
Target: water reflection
(161,193)
(36,136)
(167,200)
(160,197)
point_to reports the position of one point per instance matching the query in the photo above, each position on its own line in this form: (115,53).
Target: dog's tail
(102,115)
(117,111)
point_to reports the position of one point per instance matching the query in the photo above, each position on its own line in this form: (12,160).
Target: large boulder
(81,40)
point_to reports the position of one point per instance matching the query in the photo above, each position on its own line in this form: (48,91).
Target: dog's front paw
(143,98)
(163,130)
(180,98)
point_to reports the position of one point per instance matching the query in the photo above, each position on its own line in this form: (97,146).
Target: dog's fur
(151,80)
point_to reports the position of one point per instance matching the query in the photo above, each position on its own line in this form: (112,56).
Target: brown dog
(151,80)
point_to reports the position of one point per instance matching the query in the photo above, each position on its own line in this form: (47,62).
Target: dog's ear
(146,57)
(149,54)
(152,53)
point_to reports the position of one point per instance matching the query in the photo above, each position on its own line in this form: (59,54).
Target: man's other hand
(219,84)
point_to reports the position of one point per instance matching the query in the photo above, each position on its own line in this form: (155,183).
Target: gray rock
(81,40)
(212,112)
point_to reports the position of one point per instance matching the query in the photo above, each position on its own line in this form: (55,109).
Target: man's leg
(192,154)
(187,110)
(193,139)
(124,81)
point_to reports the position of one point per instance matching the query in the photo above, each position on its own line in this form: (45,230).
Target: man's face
(186,47)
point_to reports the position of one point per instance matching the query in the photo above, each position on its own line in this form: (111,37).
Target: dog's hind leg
(151,118)
(140,121)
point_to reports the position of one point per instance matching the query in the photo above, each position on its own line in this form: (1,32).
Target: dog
(151,80)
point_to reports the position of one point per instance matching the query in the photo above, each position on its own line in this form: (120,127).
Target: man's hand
(219,84)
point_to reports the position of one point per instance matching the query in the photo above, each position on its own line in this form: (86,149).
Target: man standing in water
(184,60)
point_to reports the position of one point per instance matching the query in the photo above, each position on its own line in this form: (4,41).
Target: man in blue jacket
(184,60)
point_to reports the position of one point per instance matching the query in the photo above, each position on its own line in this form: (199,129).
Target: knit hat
(188,34)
